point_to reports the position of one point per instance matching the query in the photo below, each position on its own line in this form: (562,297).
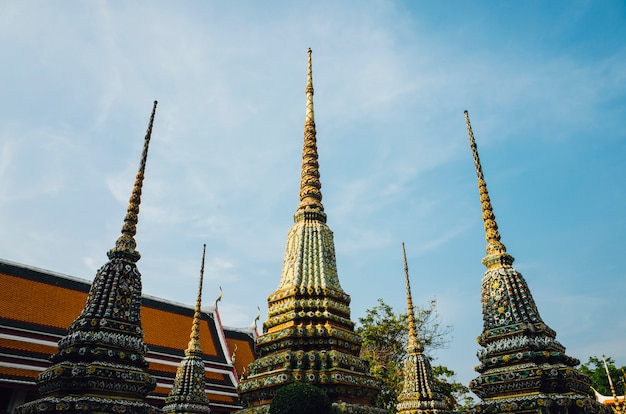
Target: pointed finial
(194,341)
(125,245)
(608,375)
(258,316)
(219,298)
(234,354)
(414,344)
(310,115)
(496,252)
(310,186)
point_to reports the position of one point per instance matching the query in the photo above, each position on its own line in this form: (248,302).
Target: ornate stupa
(188,396)
(308,336)
(523,368)
(420,394)
(101,365)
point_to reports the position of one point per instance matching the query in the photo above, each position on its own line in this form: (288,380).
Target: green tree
(594,369)
(385,335)
(458,396)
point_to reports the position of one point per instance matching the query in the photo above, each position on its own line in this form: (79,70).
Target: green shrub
(300,398)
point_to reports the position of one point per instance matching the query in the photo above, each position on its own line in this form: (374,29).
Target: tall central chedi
(523,368)
(309,336)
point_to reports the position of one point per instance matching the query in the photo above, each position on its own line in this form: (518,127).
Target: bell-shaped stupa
(523,368)
(308,336)
(101,365)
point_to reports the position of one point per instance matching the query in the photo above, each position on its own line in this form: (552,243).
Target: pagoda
(523,368)
(101,365)
(420,394)
(188,394)
(308,336)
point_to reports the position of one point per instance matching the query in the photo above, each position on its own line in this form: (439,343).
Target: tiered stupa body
(101,366)
(309,336)
(523,368)
(420,394)
(188,396)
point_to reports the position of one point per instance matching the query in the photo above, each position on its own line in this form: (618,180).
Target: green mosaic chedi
(101,365)
(309,336)
(523,368)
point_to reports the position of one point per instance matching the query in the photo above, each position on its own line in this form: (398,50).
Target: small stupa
(188,396)
(308,336)
(523,368)
(420,394)
(101,365)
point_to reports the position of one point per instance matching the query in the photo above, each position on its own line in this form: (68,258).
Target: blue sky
(544,83)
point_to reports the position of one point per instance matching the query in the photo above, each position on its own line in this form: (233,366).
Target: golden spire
(608,375)
(194,342)
(310,186)
(414,344)
(496,252)
(125,245)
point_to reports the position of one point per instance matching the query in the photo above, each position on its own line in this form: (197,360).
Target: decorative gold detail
(496,252)
(125,245)
(188,394)
(420,392)
(618,404)
(310,186)
(234,355)
(308,336)
(414,344)
(194,338)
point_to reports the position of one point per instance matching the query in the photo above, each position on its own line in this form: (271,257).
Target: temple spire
(188,395)
(523,368)
(310,186)
(106,339)
(308,335)
(496,252)
(420,393)
(414,343)
(125,245)
(194,338)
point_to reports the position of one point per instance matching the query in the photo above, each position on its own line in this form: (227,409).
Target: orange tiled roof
(36,307)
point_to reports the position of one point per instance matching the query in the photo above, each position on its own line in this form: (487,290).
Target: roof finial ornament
(125,245)
(258,316)
(234,354)
(194,339)
(414,344)
(310,186)
(496,252)
(219,298)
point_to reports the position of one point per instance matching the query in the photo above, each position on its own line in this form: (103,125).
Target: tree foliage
(594,369)
(300,398)
(385,337)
